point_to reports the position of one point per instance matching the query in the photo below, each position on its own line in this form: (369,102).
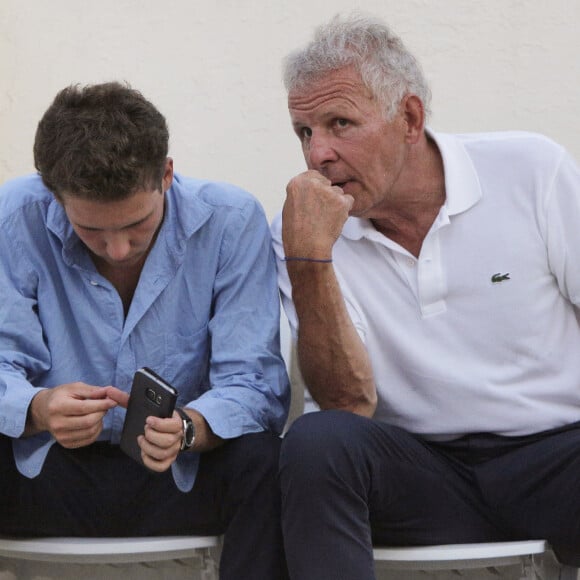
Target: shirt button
(94,283)
(410,262)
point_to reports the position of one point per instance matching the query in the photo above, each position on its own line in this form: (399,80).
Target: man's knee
(345,443)
(318,440)
(321,429)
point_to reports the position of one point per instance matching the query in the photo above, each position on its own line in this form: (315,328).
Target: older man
(432,282)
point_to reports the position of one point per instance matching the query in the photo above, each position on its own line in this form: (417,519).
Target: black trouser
(348,482)
(98,491)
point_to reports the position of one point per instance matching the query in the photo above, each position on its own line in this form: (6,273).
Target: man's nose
(118,246)
(320,151)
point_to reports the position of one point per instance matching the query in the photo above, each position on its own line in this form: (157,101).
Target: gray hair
(386,67)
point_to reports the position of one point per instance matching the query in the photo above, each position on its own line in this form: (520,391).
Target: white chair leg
(569,573)
(210,564)
(547,567)
(529,571)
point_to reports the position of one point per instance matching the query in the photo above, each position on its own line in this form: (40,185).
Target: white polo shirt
(481,333)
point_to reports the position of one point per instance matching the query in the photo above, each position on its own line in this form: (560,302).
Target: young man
(432,282)
(111,262)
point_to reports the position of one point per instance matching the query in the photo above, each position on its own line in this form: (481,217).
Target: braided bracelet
(300,259)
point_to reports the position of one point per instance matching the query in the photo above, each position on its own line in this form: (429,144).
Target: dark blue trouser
(98,491)
(348,482)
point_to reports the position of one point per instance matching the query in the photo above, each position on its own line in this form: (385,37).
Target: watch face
(188,430)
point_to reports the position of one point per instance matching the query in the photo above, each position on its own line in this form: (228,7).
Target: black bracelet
(300,259)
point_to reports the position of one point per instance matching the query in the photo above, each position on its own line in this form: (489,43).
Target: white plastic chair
(530,560)
(150,558)
(196,557)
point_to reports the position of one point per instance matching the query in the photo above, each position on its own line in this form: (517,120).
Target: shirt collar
(184,213)
(58,223)
(462,187)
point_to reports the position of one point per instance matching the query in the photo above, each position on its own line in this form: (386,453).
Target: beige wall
(213,68)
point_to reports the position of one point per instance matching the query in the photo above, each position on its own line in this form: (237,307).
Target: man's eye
(342,123)
(306,132)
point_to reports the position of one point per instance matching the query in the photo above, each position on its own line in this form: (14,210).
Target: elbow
(368,407)
(363,403)
(363,399)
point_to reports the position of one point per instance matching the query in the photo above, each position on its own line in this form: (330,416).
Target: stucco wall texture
(213,68)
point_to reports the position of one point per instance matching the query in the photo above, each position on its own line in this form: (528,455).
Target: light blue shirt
(204,316)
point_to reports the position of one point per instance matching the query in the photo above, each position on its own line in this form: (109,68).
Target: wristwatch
(188,436)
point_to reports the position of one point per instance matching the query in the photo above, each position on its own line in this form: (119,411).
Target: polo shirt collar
(462,186)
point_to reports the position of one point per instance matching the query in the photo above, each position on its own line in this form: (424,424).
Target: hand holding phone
(150,395)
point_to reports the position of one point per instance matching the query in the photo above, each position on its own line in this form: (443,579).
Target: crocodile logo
(500,277)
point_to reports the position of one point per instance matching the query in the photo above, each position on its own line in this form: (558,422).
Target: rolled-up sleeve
(23,352)
(249,385)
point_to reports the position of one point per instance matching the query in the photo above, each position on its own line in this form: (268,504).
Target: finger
(120,397)
(154,465)
(78,438)
(162,440)
(76,426)
(78,407)
(308,180)
(156,452)
(83,391)
(85,422)
(97,393)
(316,176)
(167,425)
(349,200)
(76,443)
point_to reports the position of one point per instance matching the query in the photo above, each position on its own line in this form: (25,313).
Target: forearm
(205,438)
(333,359)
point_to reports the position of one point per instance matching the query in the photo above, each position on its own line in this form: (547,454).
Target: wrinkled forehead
(307,81)
(340,89)
(349,75)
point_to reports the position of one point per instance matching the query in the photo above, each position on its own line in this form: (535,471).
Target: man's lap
(422,493)
(534,488)
(99,491)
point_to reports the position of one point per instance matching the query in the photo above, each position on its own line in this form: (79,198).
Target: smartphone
(150,395)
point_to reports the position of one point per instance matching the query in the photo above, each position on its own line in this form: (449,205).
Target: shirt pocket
(187,363)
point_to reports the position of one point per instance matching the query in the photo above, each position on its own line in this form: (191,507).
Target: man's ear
(167,175)
(414,117)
